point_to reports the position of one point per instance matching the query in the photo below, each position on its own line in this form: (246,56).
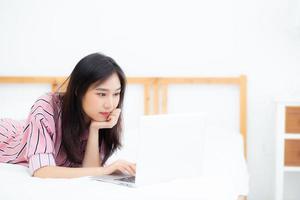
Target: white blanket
(15,183)
(225,177)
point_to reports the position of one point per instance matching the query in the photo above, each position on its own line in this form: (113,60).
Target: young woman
(72,134)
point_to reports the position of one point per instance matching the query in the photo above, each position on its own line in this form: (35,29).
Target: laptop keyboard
(130,179)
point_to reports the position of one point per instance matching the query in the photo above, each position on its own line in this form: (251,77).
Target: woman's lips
(105,114)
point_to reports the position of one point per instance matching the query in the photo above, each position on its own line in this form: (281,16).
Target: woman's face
(101,99)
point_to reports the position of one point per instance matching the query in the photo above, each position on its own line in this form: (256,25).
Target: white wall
(259,38)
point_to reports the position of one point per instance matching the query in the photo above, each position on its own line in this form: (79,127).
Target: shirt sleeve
(41,129)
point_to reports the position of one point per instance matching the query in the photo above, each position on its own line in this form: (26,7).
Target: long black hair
(94,68)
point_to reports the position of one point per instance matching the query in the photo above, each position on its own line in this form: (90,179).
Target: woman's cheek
(116,102)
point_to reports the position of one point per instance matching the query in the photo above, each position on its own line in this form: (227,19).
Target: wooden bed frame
(156,88)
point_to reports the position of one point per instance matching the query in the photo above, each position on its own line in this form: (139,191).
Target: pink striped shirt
(36,142)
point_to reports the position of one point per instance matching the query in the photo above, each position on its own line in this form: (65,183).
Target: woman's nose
(108,103)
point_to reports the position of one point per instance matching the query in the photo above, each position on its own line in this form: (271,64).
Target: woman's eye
(101,94)
(117,94)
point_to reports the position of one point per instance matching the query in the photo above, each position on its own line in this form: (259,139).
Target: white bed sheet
(225,177)
(15,183)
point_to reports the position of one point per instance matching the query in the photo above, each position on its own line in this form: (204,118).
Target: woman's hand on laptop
(121,166)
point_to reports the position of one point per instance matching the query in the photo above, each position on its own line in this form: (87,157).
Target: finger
(110,122)
(133,169)
(98,125)
(129,167)
(105,125)
(110,116)
(121,166)
(123,170)
(115,111)
(129,170)
(113,120)
(118,110)
(113,114)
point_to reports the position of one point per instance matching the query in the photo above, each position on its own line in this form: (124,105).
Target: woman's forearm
(67,172)
(92,155)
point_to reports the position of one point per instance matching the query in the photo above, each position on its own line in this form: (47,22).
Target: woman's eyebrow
(104,89)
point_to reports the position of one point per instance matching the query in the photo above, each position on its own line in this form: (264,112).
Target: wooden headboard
(156,88)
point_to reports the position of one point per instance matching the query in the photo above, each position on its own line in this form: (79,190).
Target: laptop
(170,146)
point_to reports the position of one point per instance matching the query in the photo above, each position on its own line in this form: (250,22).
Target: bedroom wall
(164,38)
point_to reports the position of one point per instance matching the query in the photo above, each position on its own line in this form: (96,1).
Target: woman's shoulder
(50,102)
(49,98)
(46,106)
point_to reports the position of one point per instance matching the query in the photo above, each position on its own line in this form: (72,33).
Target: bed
(225,174)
